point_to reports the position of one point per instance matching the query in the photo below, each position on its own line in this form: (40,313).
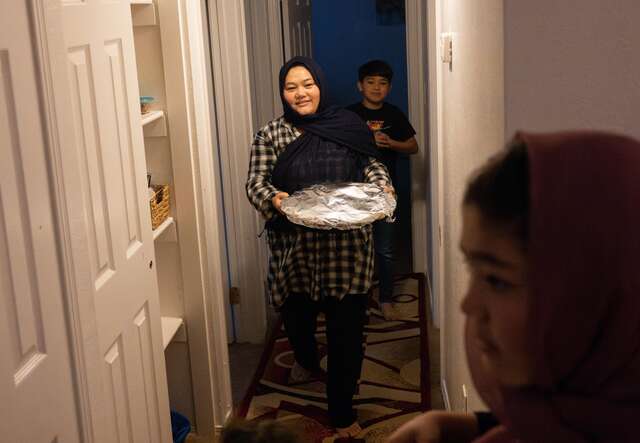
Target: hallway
(125,231)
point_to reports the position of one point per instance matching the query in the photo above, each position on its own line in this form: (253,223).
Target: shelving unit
(182,265)
(158,153)
(152,58)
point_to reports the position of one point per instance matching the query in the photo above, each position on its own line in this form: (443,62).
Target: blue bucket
(180,427)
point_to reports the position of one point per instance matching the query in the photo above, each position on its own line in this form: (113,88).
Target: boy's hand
(382,140)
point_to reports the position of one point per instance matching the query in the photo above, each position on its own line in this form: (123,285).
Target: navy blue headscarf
(335,145)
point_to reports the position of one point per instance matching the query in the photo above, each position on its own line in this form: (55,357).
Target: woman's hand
(436,427)
(389,190)
(277,201)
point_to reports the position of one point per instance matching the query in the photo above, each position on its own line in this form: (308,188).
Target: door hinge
(446,48)
(234,295)
(465,398)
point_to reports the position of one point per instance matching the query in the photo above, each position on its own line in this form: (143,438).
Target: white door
(103,91)
(296,24)
(37,396)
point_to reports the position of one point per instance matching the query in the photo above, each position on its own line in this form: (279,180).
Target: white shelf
(141,2)
(154,124)
(167,228)
(151,116)
(170,327)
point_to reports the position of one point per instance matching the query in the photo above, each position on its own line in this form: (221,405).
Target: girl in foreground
(551,235)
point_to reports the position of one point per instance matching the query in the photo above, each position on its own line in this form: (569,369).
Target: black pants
(345,328)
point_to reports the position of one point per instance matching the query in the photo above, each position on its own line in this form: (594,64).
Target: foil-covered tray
(339,206)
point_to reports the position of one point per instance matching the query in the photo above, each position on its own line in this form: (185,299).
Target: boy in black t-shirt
(394,134)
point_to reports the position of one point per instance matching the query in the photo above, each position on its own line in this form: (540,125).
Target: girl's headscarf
(584,286)
(305,161)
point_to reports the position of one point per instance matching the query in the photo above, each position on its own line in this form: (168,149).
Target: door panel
(119,406)
(90,153)
(102,80)
(35,367)
(125,143)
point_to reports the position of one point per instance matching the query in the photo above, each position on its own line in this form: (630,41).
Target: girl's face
(496,302)
(301,91)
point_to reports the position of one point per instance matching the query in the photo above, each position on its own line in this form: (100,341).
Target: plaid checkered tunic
(319,263)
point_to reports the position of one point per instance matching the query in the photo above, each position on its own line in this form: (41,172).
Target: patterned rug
(394,385)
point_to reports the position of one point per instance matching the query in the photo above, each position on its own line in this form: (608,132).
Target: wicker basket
(159,204)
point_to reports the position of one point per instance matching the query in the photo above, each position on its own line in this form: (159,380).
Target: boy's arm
(409,146)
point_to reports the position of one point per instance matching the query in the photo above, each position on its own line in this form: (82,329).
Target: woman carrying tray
(313,271)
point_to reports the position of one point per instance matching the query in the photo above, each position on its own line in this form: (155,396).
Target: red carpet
(394,384)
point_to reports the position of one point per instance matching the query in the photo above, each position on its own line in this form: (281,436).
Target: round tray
(339,206)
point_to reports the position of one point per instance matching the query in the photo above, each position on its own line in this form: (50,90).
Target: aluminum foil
(339,206)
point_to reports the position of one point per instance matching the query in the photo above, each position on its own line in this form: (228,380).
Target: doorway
(263,30)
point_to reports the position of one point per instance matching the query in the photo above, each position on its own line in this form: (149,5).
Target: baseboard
(445,394)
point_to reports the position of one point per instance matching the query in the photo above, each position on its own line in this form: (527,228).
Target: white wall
(472,128)
(569,64)
(572,64)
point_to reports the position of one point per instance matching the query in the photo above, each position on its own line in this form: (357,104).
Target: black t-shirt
(390,120)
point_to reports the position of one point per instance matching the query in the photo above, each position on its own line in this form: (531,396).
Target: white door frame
(232,100)
(415,14)
(184,35)
(423,70)
(436,163)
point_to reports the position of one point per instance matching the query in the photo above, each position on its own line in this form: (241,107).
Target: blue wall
(345,35)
